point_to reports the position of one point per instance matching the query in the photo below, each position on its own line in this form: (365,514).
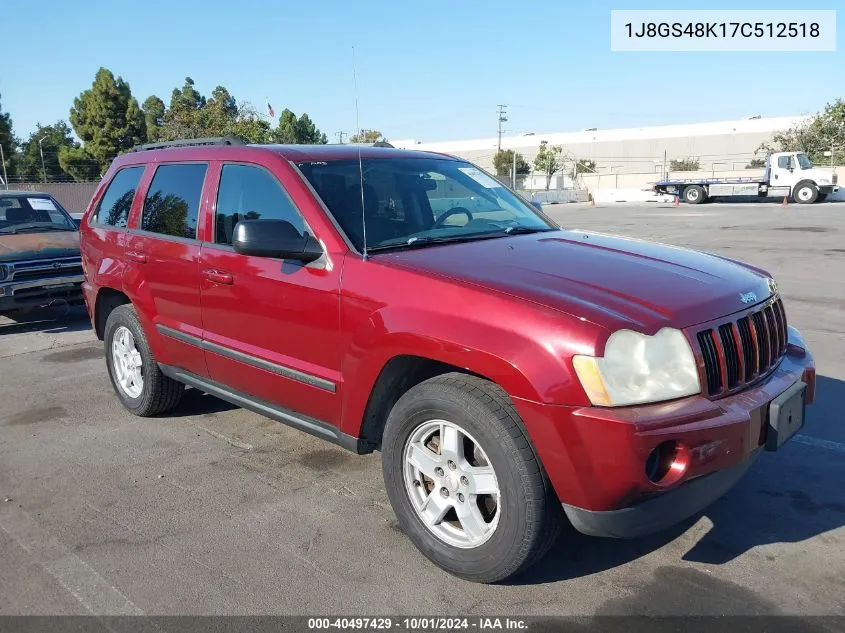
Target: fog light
(667,463)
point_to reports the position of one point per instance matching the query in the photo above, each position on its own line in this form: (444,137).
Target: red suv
(510,372)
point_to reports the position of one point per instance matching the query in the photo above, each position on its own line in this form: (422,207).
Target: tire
(694,194)
(527,516)
(805,193)
(155,393)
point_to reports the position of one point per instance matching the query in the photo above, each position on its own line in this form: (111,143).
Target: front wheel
(463,479)
(805,193)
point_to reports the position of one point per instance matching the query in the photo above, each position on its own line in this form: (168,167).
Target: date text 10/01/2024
(419,623)
(724,29)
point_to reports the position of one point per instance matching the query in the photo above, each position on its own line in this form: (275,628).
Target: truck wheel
(133,371)
(463,479)
(694,194)
(805,193)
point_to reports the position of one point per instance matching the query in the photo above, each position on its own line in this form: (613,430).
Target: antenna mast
(360,164)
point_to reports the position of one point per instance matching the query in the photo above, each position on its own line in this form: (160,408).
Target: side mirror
(274,238)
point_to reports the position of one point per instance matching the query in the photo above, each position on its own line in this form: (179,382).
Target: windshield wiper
(34,227)
(525,230)
(421,242)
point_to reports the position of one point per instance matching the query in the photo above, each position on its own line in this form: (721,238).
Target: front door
(162,260)
(785,171)
(271,326)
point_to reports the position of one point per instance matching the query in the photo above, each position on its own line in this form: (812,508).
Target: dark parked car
(511,373)
(40,264)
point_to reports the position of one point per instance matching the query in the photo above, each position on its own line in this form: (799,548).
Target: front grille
(45,269)
(738,352)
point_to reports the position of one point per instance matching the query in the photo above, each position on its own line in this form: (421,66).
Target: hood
(612,281)
(46,244)
(818,174)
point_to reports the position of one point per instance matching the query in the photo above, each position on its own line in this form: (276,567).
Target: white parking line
(819,443)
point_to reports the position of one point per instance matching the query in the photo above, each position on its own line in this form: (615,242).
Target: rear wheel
(464,481)
(805,193)
(694,194)
(133,371)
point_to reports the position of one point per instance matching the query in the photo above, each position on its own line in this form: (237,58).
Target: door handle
(218,276)
(137,257)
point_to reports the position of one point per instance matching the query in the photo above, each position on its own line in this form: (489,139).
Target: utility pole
(502,119)
(5,176)
(340,136)
(513,177)
(41,149)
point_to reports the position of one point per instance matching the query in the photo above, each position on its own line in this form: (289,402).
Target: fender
(525,365)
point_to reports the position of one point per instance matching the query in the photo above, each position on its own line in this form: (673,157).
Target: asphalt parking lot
(215,510)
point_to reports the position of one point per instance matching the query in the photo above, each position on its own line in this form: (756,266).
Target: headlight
(637,369)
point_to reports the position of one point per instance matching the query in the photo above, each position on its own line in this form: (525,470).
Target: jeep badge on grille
(748,297)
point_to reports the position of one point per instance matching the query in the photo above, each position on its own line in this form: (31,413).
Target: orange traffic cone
(677,202)
(785,202)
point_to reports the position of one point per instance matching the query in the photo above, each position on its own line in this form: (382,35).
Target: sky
(430,71)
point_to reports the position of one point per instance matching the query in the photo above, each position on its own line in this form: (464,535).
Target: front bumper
(34,293)
(595,457)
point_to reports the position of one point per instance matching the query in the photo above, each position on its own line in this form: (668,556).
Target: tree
(8,142)
(503,164)
(297,131)
(756,163)
(582,166)
(182,118)
(251,127)
(815,135)
(367,136)
(107,118)
(153,109)
(549,160)
(79,164)
(684,164)
(53,139)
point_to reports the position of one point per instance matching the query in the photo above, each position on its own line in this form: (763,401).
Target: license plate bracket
(786,415)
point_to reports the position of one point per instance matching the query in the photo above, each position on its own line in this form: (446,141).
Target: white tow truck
(788,174)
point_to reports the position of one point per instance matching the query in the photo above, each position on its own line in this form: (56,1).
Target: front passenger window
(251,193)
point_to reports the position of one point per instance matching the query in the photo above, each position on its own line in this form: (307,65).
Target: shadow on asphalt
(786,497)
(53,320)
(195,402)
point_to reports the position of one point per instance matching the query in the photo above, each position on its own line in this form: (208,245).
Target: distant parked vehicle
(40,263)
(787,174)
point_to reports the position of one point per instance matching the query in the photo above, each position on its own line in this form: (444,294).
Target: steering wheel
(448,214)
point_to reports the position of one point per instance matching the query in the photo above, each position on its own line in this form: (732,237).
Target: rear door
(162,259)
(271,326)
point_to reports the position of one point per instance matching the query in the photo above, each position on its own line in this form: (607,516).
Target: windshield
(803,161)
(417,201)
(33,214)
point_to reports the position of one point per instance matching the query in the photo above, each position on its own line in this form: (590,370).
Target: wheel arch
(107,300)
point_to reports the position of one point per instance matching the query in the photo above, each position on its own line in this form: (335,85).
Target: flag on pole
(270,111)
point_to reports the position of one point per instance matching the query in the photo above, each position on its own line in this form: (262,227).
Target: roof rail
(190,142)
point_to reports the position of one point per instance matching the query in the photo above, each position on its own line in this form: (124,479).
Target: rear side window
(173,201)
(114,206)
(251,193)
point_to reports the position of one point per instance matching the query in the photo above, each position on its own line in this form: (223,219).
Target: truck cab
(796,172)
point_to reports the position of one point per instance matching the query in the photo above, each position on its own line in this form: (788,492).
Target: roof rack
(190,142)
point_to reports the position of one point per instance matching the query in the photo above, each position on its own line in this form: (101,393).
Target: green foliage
(367,136)
(582,166)
(549,160)
(107,118)
(55,138)
(154,109)
(823,132)
(299,131)
(756,163)
(7,141)
(503,164)
(684,164)
(78,164)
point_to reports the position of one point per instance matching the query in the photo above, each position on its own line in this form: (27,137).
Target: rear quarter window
(113,209)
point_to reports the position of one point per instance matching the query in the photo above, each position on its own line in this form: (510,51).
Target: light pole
(41,150)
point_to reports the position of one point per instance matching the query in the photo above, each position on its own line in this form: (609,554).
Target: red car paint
(513,310)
